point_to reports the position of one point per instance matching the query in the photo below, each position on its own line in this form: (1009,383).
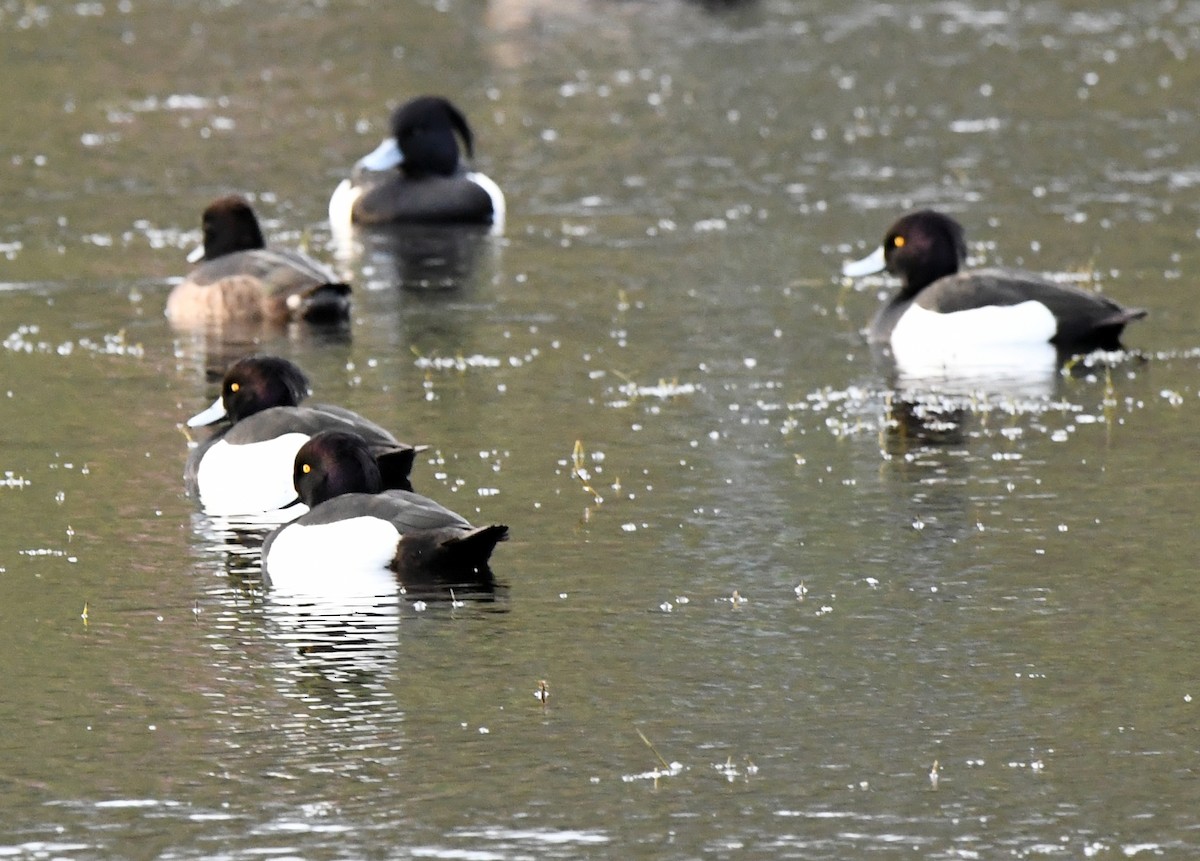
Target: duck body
(355,524)
(246,468)
(456,199)
(240,280)
(941,307)
(415,176)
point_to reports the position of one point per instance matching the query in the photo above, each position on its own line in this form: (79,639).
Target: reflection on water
(680,183)
(338,639)
(1023,371)
(237,541)
(417,257)
(216,347)
(919,423)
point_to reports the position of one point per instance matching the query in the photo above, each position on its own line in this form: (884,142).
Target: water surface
(768,584)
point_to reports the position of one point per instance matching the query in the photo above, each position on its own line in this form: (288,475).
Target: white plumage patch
(1025,323)
(994,338)
(341,208)
(349,557)
(499,207)
(245,479)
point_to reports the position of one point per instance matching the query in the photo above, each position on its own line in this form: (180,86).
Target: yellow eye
(898,242)
(233,387)
(305,468)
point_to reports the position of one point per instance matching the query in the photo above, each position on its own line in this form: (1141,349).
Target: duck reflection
(341,648)
(418,257)
(215,348)
(351,631)
(1027,372)
(344,637)
(239,542)
(929,404)
(331,642)
(912,424)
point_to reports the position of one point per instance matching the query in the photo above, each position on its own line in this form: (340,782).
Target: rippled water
(784,604)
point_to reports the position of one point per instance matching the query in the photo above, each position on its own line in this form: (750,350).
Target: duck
(354,523)
(240,280)
(415,176)
(245,468)
(942,307)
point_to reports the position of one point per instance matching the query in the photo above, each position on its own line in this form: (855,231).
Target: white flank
(995,341)
(246,479)
(341,209)
(342,559)
(499,207)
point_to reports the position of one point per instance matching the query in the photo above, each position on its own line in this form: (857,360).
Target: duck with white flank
(944,313)
(246,468)
(415,175)
(355,524)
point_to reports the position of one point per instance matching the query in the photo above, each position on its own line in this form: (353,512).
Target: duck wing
(1085,320)
(407,511)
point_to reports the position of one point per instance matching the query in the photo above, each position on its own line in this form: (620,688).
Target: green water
(790,588)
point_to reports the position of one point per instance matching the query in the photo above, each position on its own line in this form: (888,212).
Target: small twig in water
(579,470)
(666,765)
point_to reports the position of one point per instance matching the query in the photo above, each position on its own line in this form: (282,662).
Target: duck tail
(327,303)
(448,556)
(474,548)
(1105,333)
(1127,315)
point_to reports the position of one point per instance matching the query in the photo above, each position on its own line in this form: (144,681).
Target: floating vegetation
(579,470)
(664,769)
(1034,765)
(456,363)
(176,102)
(668,607)
(734,600)
(11,480)
(162,237)
(24,340)
(663,390)
(730,771)
(46,551)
